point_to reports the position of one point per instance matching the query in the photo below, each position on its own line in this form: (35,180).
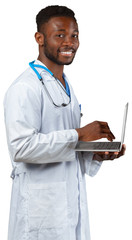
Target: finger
(114,155)
(123,148)
(109,136)
(122,152)
(103,123)
(110,155)
(106,155)
(106,129)
(98,157)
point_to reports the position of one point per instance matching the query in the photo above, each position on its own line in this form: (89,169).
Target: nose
(68,41)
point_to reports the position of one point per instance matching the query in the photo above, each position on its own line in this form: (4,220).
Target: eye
(60,35)
(75,36)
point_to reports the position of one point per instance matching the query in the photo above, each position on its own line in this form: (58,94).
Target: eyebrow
(63,30)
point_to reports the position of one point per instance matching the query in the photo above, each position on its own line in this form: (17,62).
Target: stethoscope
(66,91)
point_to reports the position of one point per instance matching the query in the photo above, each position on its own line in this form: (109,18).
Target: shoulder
(27,84)
(26,78)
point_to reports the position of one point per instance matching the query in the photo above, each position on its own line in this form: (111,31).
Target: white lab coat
(48,194)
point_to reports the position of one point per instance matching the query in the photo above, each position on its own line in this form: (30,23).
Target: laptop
(104,146)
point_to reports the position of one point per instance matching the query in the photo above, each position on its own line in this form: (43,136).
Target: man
(42,118)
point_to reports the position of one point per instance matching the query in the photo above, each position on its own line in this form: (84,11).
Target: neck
(56,69)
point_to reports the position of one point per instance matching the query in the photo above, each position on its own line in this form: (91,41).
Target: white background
(101,76)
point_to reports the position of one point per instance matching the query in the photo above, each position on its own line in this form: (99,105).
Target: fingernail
(106,153)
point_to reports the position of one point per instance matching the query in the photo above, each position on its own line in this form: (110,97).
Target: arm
(23,123)
(95,131)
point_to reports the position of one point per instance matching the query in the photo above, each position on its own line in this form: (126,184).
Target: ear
(39,38)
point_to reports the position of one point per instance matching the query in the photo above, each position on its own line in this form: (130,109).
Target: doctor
(42,118)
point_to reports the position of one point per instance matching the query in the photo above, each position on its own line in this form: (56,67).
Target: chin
(68,62)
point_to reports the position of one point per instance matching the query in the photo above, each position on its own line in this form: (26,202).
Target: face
(60,40)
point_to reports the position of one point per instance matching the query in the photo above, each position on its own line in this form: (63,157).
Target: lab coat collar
(43,71)
(40,63)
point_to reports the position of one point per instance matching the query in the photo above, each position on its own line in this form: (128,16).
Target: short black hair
(53,11)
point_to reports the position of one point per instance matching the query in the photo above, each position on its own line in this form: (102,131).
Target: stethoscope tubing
(33,67)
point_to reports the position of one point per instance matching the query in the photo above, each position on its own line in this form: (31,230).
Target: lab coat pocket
(47,206)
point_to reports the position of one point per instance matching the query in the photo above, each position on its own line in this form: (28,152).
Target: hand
(102,156)
(94,131)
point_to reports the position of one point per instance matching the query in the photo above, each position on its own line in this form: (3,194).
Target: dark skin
(60,35)
(58,42)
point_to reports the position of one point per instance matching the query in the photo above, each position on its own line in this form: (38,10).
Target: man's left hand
(103,156)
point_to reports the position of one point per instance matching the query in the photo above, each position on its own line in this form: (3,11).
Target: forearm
(40,148)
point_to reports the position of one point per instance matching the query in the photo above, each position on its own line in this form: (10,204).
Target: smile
(68,53)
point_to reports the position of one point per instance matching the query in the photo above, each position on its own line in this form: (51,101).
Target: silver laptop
(104,146)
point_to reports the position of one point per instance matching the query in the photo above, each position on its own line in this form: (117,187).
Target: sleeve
(88,165)
(22,107)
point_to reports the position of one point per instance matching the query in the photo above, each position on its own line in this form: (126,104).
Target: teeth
(67,53)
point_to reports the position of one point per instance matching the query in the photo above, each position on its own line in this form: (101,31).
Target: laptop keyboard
(107,145)
(99,145)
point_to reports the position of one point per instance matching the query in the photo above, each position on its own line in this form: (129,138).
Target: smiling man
(54,32)
(42,118)
(58,42)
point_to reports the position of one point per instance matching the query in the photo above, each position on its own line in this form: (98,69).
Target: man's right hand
(94,131)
